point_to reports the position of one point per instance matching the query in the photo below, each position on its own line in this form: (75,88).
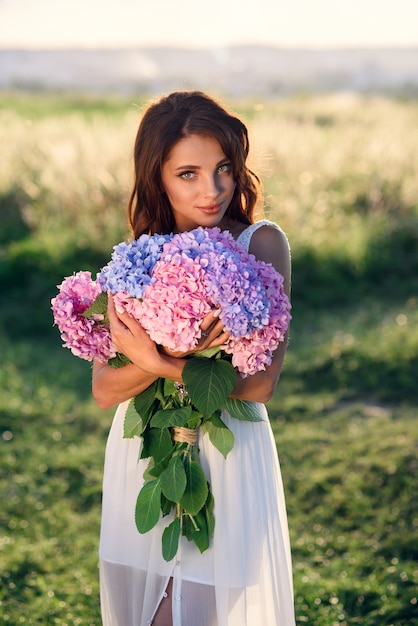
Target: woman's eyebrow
(198,167)
(188,167)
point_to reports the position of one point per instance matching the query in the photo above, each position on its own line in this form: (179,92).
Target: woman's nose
(212,186)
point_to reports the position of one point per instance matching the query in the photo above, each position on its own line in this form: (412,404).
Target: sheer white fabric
(243,579)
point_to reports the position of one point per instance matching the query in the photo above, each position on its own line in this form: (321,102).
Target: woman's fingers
(124,329)
(122,326)
(111,311)
(210,322)
(119,319)
(213,331)
(220,339)
(128,336)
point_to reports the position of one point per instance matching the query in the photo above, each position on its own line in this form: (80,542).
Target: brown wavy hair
(163,124)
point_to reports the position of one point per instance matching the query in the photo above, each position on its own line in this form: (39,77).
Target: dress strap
(245,237)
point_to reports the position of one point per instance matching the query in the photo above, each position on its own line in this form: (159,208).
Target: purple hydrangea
(231,277)
(234,284)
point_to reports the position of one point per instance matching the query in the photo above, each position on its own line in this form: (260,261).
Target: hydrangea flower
(175,303)
(130,269)
(204,269)
(230,277)
(234,284)
(252,353)
(168,283)
(86,338)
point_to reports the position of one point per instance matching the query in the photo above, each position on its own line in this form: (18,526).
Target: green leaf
(132,424)
(147,510)
(173,480)
(166,505)
(210,518)
(201,536)
(170,539)
(169,388)
(145,401)
(98,307)
(194,420)
(210,502)
(157,443)
(209,382)
(209,352)
(219,434)
(243,410)
(149,474)
(155,469)
(159,390)
(196,491)
(120,360)
(171,417)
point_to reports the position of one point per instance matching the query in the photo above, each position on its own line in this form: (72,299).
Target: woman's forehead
(196,148)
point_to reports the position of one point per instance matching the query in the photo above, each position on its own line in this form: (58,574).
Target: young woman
(190,171)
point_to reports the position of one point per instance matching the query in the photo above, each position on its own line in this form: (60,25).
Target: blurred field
(340,176)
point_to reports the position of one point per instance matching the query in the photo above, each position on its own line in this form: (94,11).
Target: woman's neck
(233,226)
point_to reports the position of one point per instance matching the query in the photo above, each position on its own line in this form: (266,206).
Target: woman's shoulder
(262,231)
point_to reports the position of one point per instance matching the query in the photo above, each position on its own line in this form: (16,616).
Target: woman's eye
(187,175)
(224,168)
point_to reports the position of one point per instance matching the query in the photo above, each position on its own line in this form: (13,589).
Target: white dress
(244,578)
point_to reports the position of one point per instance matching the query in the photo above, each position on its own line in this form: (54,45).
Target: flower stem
(195,526)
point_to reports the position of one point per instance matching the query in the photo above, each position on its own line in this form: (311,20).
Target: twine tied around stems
(181,434)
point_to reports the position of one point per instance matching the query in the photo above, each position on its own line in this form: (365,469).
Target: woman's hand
(129,338)
(213,334)
(114,385)
(148,362)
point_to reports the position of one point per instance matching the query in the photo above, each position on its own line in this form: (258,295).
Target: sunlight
(132,23)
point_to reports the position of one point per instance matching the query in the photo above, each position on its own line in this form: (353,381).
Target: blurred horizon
(250,70)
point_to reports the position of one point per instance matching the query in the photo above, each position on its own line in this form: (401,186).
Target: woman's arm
(111,386)
(271,246)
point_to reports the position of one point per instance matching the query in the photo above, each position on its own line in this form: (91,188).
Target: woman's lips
(212,208)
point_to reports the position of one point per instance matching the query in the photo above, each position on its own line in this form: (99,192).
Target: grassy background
(339,174)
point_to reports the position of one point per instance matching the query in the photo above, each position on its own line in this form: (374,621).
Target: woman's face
(197,178)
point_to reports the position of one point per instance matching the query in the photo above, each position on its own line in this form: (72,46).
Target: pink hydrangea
(86,338)
(175,304)
(252,353)
(132,306)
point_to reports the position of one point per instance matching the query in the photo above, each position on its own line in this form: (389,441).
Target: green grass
(52,452)
(33,106)
(340,176)
(347,438)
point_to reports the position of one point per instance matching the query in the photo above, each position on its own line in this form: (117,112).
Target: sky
(208,24)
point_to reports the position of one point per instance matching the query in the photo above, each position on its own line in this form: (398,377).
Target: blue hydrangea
(131,265)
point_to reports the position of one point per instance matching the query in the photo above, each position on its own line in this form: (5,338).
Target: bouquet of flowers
(168,283)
